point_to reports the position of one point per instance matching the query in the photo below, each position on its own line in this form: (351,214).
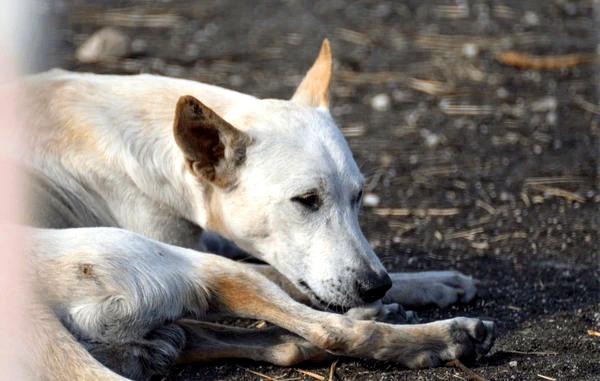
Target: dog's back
(85,133)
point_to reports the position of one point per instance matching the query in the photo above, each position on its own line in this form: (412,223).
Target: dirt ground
(478,166)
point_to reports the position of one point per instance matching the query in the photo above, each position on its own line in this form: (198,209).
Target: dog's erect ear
(314,89)
(212,147)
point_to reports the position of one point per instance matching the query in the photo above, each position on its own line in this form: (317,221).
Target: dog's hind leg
(431,288)
(58,356)
(118,293)
(211,341)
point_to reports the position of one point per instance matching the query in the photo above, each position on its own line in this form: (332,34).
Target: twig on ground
(505,236)
(316,376)
(558,192)
(553,180)
(549,353)
(258,324)
(591,332)
(485,206)
(375,78)
(467,234)
(466,109)
(402,212)
(551,62)
(353,36)
(129,17)
(472,376)
(332,370)
(587,106)
(525,199)
(354,131)
(259,374)
(546,377)
(430,87)
(482,245)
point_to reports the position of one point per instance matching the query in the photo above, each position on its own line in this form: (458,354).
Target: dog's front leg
(431,288)
(239,291)
(384,312)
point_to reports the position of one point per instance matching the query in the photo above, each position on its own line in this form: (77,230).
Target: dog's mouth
(322,303)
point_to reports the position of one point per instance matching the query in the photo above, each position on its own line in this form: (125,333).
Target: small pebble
(104,45)
(139,46)
(502,93)
(551,118)
(401,96)
(371,200)
(531,18)
(512,364)
(381,102)
(544,104)
(431,139)
(470,50)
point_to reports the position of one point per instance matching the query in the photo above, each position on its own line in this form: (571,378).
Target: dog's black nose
(374,287)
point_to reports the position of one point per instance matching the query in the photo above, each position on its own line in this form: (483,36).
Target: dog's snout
(374,286)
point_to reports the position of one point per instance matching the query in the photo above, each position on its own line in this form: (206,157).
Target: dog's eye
(358,198)
(308,200)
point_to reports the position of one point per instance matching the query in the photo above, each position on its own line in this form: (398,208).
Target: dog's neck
(157,169)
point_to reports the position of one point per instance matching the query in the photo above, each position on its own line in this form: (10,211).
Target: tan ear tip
(326,47)
(188,103)
(187,99)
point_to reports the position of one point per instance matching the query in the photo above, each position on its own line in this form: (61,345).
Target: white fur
(139,176)
(104,160)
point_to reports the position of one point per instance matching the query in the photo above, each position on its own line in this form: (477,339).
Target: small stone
(139,46)
(431,139)
(381,102)
(470,50)
(531,18)
(502,93)
(104,45)
(544,104)
(551,118)
(401,96)
(512,364)
(386,160)
(236,80)
(371,200)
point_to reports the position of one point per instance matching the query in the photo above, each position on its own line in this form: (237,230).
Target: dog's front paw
(437,288)
(392,313)
(460,338)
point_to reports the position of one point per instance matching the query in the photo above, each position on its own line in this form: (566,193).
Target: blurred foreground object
(17,359)
(104,45)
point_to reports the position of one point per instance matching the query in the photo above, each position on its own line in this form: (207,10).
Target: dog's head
(282,184)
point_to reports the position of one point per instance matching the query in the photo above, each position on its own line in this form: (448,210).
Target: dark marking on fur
(87,270)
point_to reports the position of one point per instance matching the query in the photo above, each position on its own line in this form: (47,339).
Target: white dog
(127,171)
